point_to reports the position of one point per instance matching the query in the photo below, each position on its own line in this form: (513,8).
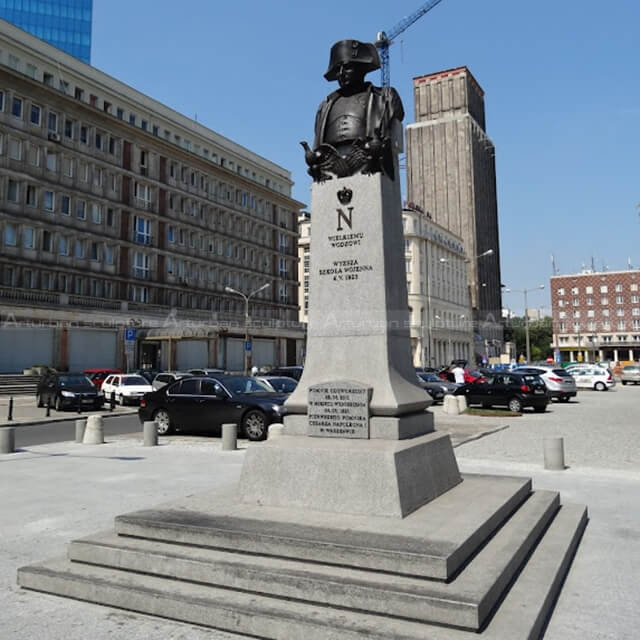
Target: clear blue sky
(561,85)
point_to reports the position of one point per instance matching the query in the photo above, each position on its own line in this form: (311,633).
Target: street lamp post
(526,315)
(246,298)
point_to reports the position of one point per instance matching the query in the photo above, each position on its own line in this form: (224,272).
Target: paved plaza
(54,493)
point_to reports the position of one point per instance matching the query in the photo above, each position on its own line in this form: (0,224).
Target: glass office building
(65,24)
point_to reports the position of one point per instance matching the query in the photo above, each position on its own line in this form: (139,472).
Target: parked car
(595,378)
(279,384)
(67,390)
(513,390)
(147,374)
(294,372)
(98,376)
(560,383)
(167,377)
(207,372)
(204,404)
(435,386)
(631,374)
(126,388)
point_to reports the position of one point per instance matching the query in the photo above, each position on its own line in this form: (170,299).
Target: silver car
(596,378)
(631,374)
(560,384)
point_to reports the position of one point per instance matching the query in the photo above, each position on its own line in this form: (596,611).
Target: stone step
(465,602)
(521,614)
(432,542)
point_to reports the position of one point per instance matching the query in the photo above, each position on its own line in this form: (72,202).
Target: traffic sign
(130,335)
(247,345)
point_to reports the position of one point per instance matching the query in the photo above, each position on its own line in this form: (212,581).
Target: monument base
(369,477)
(485,560)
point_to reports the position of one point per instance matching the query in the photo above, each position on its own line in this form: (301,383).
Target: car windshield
(135,380)
(430,377)
(561,373)
(283,385)
(74,381)
(631,367)
(245,384)
(532,379)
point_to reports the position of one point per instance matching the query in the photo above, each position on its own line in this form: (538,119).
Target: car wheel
(163,422)
(41,404)
(254,425)
(540,409)
(515,405)
(623,383)
(58,403)
(600,386)
(564,398)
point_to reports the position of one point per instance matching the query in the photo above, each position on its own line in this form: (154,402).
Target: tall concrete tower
(451,174)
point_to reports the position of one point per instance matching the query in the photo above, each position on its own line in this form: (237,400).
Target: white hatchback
(595,378)
(125,388)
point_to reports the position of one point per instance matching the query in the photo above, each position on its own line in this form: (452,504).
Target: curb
(73,416)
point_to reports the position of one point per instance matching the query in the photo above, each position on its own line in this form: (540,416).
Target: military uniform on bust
(354,125)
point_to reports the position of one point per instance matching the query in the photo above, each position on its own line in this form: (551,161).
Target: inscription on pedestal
(339,410)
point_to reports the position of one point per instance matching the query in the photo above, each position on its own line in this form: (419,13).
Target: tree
(540,337)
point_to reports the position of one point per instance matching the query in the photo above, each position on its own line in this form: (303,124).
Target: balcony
(142,238)
(143,274)
(139,203)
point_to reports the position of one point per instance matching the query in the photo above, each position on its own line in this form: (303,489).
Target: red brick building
(596,315)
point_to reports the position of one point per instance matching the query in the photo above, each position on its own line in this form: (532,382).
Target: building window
(605,313)
(604,301)
(618,288)
(634,299)
(576,302)
(53,121)
(93,251)
(46,241)
(588,290)
(108,290)
(110,217)
(68,128)
(171,234)
(15,149)
(575,291)
(31,196)
(10,235)
(590,301)
(635,311)
(63,246)
(120,113)
(621,326)
(591,313)
(98,140)
(48,203)
(84,135)
(52,161)
(13,191)
(35,116)
(576,314)
(16,107)
(561,303)
(96,213)
(620,312)
(65,205)
(108,254)
(79,248)
(67,167)
(142,230)
(28,238)
(132,118)
(144,125)
(619,300)
(81,210)
(632,287)
(140,294)
(1,100)
(142,193)
(603,288)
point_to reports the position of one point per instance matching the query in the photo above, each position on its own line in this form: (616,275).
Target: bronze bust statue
(354,125)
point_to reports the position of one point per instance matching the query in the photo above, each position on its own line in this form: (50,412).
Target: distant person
(254,371)
(458,374)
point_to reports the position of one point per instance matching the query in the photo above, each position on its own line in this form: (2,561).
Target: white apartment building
(439,303)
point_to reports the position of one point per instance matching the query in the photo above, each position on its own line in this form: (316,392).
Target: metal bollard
(554,454)
(78,404)
(80,427)
(150,433)
(7,439)
(48,411)
(112,401)
(10,415)
(229,436)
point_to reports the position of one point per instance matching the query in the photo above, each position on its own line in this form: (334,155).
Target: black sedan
(512,390)
(204,404)
(436,387)
(68,391)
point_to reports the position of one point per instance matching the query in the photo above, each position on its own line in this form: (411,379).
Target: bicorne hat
(364,53)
